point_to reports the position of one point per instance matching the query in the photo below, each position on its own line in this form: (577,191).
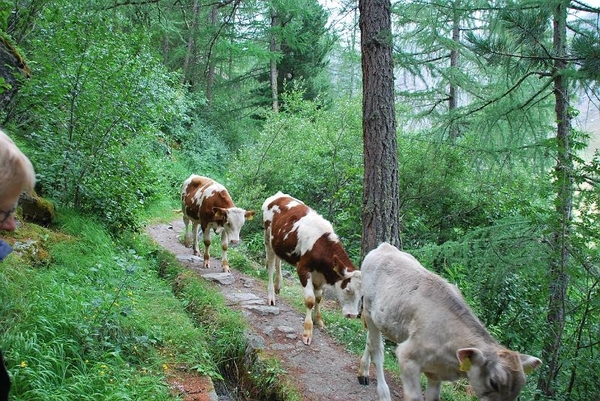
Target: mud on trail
(323,371)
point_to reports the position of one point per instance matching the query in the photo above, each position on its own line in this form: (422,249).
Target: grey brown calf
(436,332)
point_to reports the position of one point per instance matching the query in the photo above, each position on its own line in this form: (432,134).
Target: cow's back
(291,226)
(200,194)
(403,297)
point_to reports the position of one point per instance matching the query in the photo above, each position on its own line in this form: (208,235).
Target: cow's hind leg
(195,248)
(273,263)
(318,317)
(206,247)
(224,244)
(278,276)
(309,302)
(186,238)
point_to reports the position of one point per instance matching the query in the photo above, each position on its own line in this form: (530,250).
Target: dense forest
(116,102)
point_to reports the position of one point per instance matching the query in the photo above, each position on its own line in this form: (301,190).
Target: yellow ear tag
(528,369)
(250,217)
(465,365)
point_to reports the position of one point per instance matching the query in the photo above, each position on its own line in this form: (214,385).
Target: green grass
(86,317)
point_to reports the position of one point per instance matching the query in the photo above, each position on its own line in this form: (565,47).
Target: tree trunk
(353,71)
(380,216)
(190,53)
(452,96)
(274,48)
(561,228)
(210,78)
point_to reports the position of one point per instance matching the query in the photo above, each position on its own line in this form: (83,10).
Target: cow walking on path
(436,332)
(304,239)
(207,203)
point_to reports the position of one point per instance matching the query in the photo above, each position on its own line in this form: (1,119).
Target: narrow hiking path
(323,371)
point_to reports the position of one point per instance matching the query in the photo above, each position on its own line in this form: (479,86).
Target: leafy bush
(94,122)
(312,154)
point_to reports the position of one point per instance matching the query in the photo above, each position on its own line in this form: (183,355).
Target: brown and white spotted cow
(436,332)
(207,203)
(301,237)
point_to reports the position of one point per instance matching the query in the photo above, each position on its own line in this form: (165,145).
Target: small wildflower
(23,364)
(165,366)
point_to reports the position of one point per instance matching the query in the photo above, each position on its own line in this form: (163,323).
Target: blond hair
(16,169)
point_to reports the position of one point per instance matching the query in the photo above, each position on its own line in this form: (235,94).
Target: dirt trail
(323,371)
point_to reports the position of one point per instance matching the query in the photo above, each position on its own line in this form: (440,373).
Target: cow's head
(348,289)
(232,220)
(496,375)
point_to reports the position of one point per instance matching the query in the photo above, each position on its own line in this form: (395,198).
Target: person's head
(16,176)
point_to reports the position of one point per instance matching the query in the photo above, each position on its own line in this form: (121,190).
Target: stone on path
(221,278)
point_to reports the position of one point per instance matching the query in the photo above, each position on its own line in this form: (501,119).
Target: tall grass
(96,321)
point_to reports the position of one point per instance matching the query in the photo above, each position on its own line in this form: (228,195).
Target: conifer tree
(381,220)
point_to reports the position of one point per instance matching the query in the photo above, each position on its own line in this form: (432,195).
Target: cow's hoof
(363,380)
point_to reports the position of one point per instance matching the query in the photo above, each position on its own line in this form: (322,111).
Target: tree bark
(190,53)
(210,78)
(274,48)
(561,228)
(452,96)
(380,215)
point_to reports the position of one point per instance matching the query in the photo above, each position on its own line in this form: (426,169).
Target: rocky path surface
(323,371)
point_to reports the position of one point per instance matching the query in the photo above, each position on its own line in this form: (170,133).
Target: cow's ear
(338,267)
(219,212)
(249,215)
(467,357)
(530,363)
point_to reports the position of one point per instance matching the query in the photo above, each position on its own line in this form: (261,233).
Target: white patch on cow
(236,217)
(293,203)
(206,193)
(270,199)
(310,228)
(269,213)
